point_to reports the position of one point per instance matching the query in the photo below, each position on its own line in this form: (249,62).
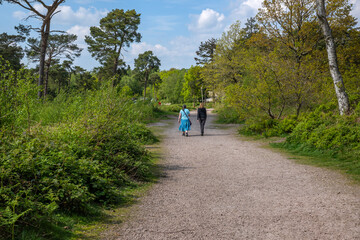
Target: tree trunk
(116,62)
(342,97)
(46,75)
(46,80)
(115,67)
(43,45)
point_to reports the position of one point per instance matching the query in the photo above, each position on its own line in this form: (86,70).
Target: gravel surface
(219,187)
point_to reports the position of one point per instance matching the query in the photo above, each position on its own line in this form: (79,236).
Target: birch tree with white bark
(342,97)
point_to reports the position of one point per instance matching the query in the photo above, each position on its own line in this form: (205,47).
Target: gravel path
(219,187)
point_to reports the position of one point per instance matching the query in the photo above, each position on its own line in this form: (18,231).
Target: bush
(175,108)
(227,115)
(324,129)
(262,126)
(268,127)
(87,148)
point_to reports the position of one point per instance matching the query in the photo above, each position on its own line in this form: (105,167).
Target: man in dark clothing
(201,117)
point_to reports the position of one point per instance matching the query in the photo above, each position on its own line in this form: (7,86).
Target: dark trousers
(202,125)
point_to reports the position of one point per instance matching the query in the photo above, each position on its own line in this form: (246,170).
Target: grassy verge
(344,162)
(320,138)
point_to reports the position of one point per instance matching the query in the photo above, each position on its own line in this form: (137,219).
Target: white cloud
(208,21)
(138,48)
(20,15)
(68,16)
(178,54)
(242,10)
(356,8)
(80,32)
(253,4)
(83,16)
(40,8)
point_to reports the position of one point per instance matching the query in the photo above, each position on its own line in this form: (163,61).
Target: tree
(206,51)
(145,64)
(172,85)
(82,80)
(67,65)
(193,84)
(228,62)
(50,11)
(59,45)
(130,80)
(342,97)
(292,26)
(59,76)
(251,27)
(10,50)
(155,80)
(117,30)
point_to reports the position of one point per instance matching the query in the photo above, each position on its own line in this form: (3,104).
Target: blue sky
(172,29)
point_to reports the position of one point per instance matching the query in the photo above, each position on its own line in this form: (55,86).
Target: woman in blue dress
(184,121)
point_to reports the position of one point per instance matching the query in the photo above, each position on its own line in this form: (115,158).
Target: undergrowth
(328,139)
(227,115)
(64,158)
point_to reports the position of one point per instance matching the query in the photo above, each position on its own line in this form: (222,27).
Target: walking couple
(185,122)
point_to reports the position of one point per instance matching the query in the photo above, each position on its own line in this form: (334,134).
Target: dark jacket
(201,113)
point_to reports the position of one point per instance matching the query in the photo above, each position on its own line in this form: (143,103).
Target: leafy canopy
(117,30)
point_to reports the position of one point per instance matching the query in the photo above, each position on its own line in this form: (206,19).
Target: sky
(172,29)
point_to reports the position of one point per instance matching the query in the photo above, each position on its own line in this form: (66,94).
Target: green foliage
(116,31)
(146,64)
(324,130)
(17,96)
(206,51)
(78,150)
(10,50)
(193,84)
(269,127)
(227,114)
(172,108)
(172,85)
(328,139)
(82,80)
(133,83)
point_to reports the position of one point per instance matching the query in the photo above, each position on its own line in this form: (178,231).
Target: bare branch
(43,4)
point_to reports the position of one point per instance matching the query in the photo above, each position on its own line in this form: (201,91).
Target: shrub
(268,127)
(323,129)
(171,108)
(262,126)
(227,115)
(87,149)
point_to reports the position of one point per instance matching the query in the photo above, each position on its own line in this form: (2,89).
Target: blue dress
(185,123)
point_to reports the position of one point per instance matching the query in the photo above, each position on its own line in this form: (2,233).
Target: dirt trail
(219,187)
